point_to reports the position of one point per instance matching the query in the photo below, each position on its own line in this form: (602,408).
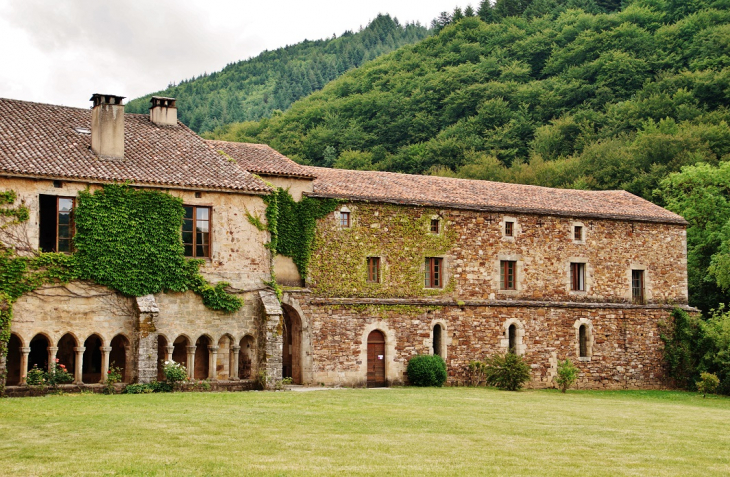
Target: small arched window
(437,340)
(512,333)
(582,341)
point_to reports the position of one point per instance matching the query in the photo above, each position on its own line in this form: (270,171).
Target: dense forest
(255,88)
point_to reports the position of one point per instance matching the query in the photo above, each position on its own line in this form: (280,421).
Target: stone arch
(517,328)
(583,326)
(14,361)
(247,358)
(445,339)
(393,371)
(163,354)
(202,357)
(40,351)
(305,351)
(225,357)
(180,350)
(91,368)
(120,356)
(292,347)
(66,354)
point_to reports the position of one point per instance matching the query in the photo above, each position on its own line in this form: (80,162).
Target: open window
(56,223)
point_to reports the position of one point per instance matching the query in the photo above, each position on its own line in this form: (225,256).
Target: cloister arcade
(89,360)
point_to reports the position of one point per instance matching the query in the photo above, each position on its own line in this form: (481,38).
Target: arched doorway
(437,340)
(180,350)
(13,360)
(292,352)
(161,357)
(246,358)
(376,359)
(66,354)
(202,358)
(91,368)
(118,355)
(38,352)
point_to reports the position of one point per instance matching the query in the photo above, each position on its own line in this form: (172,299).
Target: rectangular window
(56,223)
(434,272)
(508,274)
(345,220)
(196,231)
(578,276)
(435,226)
(373,269)
(509,229)
(578,233)
(637,286)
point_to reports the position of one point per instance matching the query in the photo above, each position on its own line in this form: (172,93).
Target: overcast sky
(62,51)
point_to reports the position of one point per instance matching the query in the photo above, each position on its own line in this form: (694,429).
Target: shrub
(36,377)
(175,373)
(138,389)
(161,387)
(427,370)
(57,375)
(567,374)
(707,384)
(508,372)
(475,373)
(113,376)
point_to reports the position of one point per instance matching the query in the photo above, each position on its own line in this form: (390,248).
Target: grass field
(402,431)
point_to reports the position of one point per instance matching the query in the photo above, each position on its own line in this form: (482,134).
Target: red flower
(57,360)
(109,372)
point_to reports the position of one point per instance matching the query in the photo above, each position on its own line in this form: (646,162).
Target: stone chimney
(163,111)
(107,126)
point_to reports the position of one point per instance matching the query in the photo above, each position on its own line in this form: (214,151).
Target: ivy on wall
(399,235)
(292,225)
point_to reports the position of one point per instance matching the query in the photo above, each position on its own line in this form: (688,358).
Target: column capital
(191,349)
(106,349)
(236,349)
(25,350)
(213,348)
(53,349)
(79,349)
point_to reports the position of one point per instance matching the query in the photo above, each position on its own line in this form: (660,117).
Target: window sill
(584,359)
(508,292)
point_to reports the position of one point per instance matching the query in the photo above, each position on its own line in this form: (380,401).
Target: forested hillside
(254,88)
(573,98)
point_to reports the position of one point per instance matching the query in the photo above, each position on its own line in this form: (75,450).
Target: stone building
(405,265)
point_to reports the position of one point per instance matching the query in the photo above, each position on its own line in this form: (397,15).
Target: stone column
(105,350)
(233,366)
(168,352)
(272,354)
(52,351)
(145,363)
(191,362)
(25,352)
(213,364)
(78,368)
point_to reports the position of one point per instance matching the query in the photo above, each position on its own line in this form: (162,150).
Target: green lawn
(408,431)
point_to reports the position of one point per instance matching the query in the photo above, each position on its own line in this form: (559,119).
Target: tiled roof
(261,159)
(485,195)
(41,140)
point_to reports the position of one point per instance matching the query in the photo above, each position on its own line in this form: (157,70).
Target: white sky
(62,51)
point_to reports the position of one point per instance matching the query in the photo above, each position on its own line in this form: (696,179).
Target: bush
(113,376)
(57,375)
(567,374)
(175,373)
(475,373)
(426,370)
(707,384)
(508,372)
(153,387)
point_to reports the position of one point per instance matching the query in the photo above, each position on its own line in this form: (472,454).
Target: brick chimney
(107,126)
(163,111)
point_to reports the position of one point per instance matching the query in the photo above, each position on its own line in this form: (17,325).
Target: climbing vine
(399,235)
(292,225)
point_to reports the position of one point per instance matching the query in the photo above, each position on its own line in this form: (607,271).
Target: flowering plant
(175,373)
(58,374)
(113,376)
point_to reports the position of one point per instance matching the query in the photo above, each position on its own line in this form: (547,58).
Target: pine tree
(469,11)
(486,12)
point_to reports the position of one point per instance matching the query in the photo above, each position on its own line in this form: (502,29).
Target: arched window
(583,342)
(512,333)
(437,340)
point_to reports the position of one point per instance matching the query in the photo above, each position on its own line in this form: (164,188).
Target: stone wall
(472,244)
(623,339)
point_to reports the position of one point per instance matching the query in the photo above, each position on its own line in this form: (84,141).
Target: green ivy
(292,225)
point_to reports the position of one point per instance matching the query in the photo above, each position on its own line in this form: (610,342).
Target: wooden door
(376,359)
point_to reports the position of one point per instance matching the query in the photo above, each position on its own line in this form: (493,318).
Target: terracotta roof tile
(43,140)
(261,159)
(485,195)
